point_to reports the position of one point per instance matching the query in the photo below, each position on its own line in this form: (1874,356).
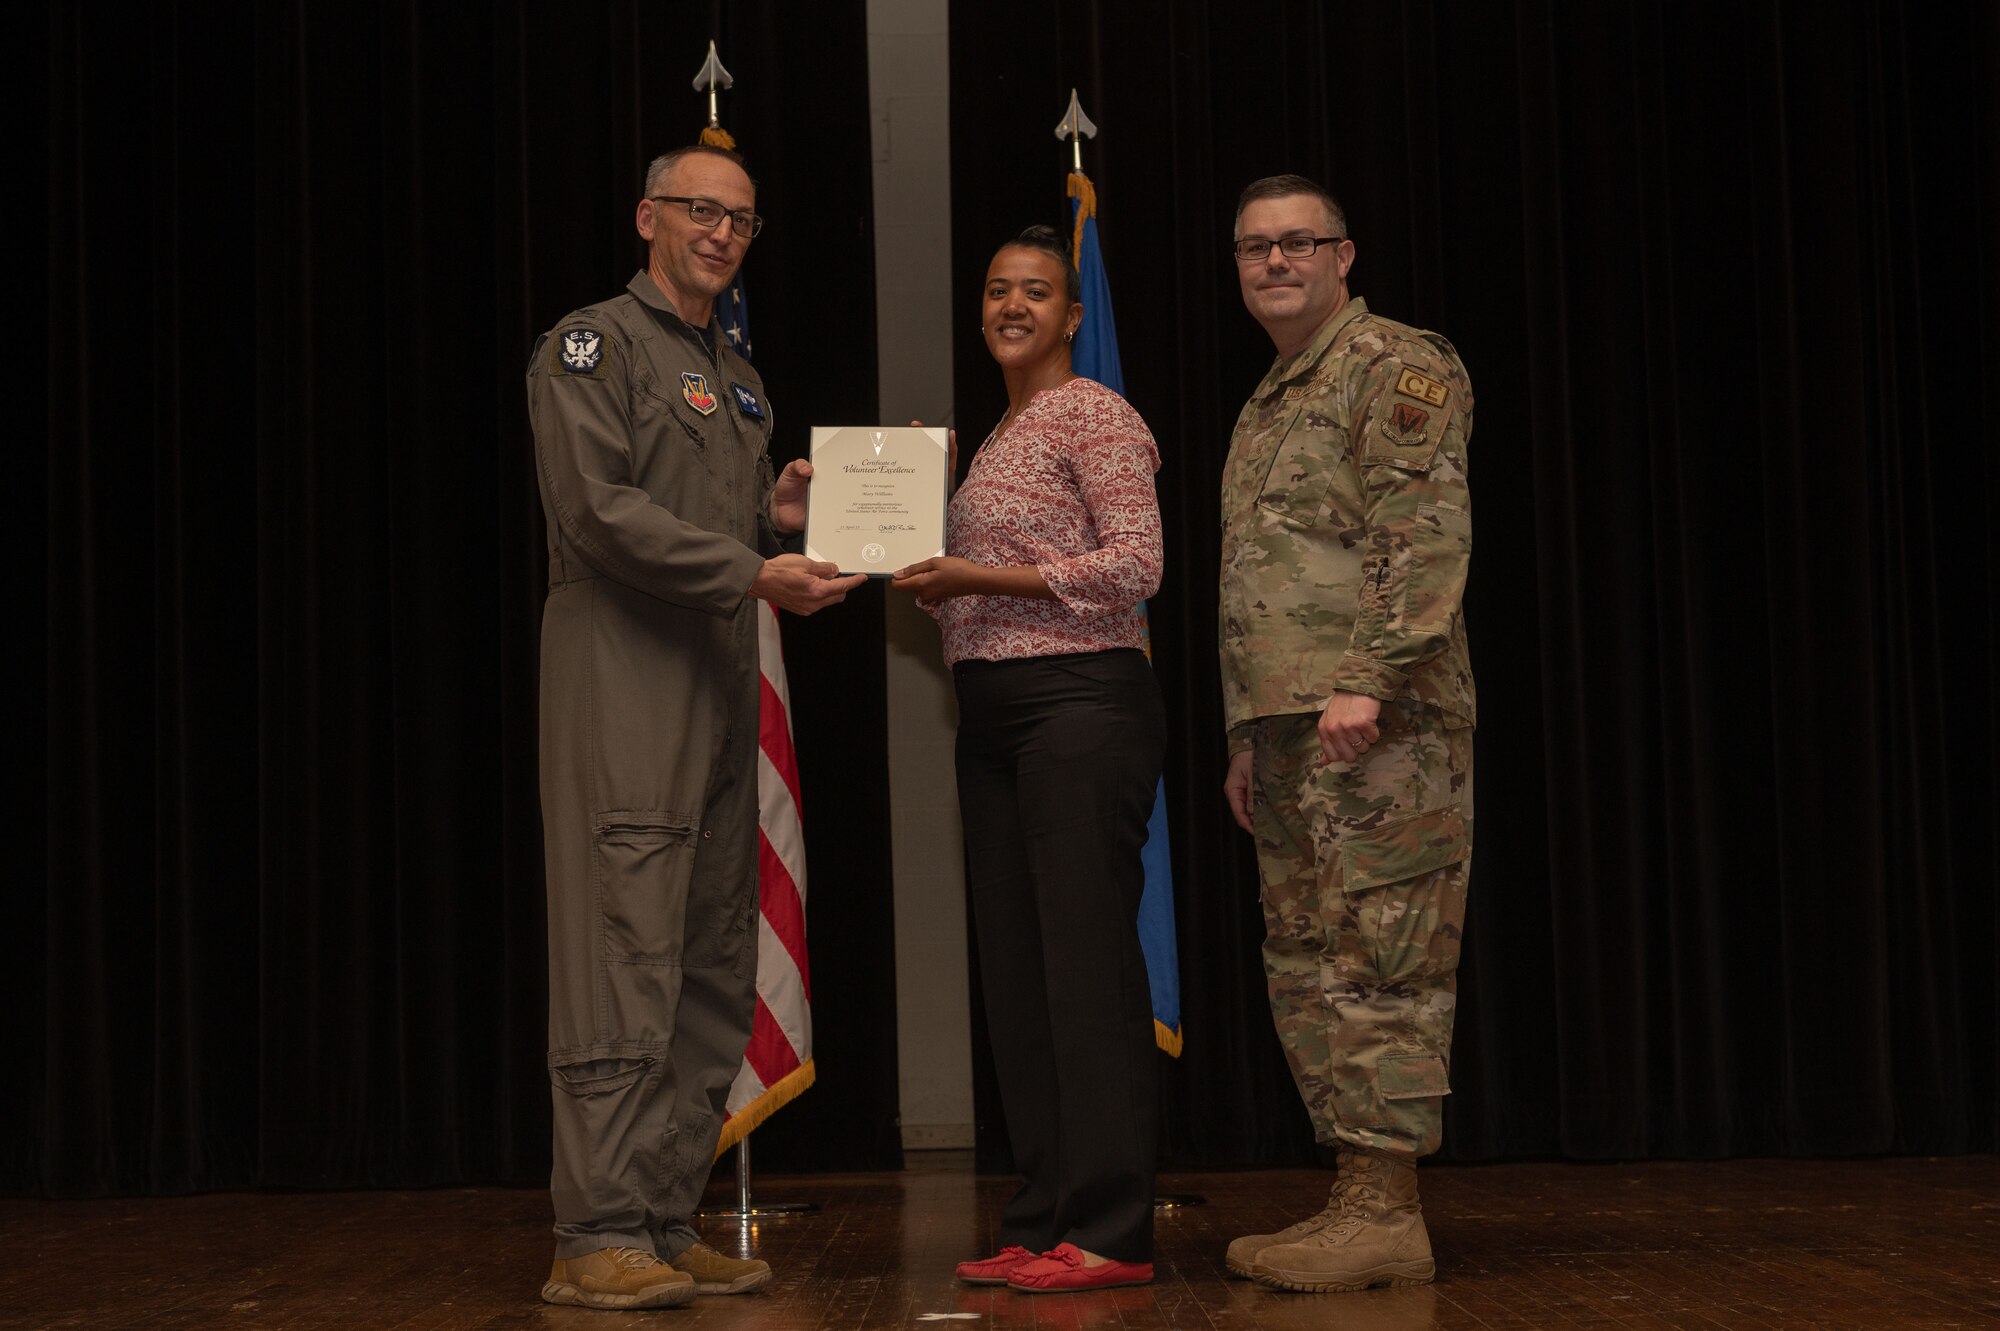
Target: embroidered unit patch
(694,387)
(1423,388)
(1408,419)
(582,349)
(746,401)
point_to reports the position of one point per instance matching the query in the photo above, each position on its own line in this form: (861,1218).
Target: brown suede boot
(715,1274)
(617,1278)
(1241,1259)
(1378,1239)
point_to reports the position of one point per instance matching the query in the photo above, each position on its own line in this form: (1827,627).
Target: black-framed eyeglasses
(1253,248)
(708,213)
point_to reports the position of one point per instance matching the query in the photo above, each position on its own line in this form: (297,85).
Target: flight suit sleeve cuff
(775,540)
(1361,674)
(743,571)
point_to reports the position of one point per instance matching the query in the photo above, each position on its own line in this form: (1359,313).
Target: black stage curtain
(1727,279)
(282,919)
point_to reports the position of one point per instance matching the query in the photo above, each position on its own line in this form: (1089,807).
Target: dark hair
(656,170)
(1051,242)
(1284,187)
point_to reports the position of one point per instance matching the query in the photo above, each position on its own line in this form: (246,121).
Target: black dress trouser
(1058,758)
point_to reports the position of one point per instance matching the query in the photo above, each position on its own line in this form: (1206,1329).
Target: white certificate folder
(878,496)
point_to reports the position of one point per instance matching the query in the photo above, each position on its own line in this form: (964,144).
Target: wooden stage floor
(1757,1243)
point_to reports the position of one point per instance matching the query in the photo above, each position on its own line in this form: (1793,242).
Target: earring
(1069,337)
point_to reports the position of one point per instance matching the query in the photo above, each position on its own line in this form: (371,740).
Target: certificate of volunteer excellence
(878,495)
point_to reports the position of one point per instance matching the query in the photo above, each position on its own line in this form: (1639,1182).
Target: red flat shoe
(1061,1269)
(994,1270)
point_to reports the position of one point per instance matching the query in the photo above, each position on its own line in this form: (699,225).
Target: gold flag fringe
(715,136)
(781,1092)
(1081,189)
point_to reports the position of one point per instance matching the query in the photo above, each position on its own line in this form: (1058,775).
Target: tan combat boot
(715,1274)
(1241,1259)
(617,1278)
(1379,1238)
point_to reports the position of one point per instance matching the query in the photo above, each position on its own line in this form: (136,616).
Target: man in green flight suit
(651,453)
(1348,694)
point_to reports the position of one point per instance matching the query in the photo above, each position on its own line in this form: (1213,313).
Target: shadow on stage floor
(1737,1244)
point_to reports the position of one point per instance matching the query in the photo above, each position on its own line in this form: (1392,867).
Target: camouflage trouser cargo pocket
(1365,869)
(1391,973)
(1403,886)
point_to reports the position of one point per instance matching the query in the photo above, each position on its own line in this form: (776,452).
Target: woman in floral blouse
(1053,542)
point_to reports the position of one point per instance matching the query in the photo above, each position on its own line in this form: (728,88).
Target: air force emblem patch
(694,387)
(582,350)
(746,401)
(1408,420)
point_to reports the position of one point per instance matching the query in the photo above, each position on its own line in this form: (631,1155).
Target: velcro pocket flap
(1412,1077)
(1403,850)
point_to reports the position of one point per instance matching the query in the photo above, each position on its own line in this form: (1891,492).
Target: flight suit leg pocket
(604,1095)
(643,860)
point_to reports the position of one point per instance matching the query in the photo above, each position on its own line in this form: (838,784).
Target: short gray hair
(656,172)
(1285,187)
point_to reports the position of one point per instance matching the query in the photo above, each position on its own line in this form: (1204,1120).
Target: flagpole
(744,1211)
(1076,127)
(712,78)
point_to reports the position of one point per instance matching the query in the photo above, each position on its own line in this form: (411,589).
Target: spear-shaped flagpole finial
(710,79)
(1076,127)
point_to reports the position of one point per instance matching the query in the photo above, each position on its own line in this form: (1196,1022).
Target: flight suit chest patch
(694,387)
(746,401)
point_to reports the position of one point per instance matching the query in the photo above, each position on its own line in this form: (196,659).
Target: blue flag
(1094,355)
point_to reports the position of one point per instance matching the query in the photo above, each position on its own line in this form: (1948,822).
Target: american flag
(778,1064)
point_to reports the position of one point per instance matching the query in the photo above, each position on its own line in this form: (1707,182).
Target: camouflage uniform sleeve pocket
(1433,589)
(1403,850)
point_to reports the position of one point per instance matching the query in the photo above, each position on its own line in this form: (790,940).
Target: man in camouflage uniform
(1348,694)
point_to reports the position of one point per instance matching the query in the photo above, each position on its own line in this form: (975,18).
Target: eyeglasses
(709,213)
(1292,247)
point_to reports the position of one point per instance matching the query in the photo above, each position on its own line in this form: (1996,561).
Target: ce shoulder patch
(1423,388)
(578,351)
